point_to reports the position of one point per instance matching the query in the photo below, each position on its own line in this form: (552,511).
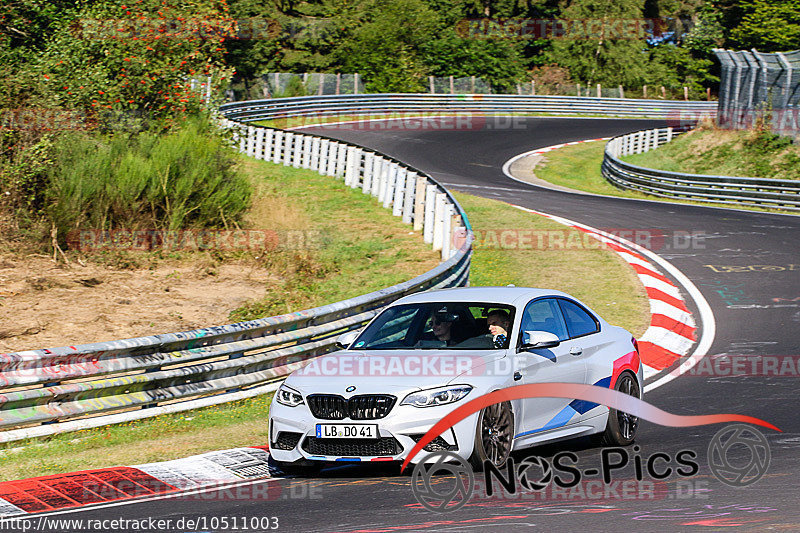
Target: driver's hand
(497,330)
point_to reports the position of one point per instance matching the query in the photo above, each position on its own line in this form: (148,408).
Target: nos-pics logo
(738,456)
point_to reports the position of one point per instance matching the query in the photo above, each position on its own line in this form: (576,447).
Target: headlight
(288,396)
(434,397)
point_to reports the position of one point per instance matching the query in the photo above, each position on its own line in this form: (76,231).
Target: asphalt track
(752,286)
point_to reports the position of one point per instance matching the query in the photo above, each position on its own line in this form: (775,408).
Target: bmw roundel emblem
(351,388)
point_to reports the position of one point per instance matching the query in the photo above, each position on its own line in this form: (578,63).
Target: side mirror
(346,339)
(539,339)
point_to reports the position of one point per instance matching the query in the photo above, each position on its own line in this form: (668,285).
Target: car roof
(501,295)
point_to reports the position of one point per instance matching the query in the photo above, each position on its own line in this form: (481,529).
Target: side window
(579,321)
(544,315)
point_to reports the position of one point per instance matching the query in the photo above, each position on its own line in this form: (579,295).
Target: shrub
(184,178)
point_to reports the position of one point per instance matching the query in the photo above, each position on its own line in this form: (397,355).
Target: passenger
(499,323)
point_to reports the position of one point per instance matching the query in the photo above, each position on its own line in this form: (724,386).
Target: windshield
(433,326)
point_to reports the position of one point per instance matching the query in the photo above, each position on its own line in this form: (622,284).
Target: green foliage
(384,48)
(182,179)
(135,60)
(768,25)
(708,32)
(23,172)
(608,61)
(674,67)
(496,60)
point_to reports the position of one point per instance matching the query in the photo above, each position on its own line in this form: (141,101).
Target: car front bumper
(396,435)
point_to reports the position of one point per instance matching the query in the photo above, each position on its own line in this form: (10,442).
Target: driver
(442,326)
(444,329)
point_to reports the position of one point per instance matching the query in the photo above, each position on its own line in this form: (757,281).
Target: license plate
(347,431)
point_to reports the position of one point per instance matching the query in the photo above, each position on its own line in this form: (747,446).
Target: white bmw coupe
(425,354)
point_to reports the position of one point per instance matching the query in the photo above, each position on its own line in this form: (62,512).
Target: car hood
(392,371)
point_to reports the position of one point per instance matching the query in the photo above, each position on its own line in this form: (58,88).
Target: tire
(494,436)
(300,468)
(621,427)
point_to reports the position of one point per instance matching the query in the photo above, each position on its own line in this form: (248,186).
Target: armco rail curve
(760,192)
(365,104)
(44,392)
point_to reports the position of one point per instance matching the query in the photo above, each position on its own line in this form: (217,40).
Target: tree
(598,47)
(768,25)
(149,59)
(497,60)
(385,48)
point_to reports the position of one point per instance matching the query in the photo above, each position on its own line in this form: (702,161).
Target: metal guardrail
(81,386)
(363,104)
(760,192)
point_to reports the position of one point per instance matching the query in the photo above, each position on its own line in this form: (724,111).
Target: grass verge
(578,167)
(353,245)
(757,154)
(596,276)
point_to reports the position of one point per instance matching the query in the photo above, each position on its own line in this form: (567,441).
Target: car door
(584,342)
(546,365)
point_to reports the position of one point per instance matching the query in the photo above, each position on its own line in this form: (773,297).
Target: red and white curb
(672,331)
(223,470)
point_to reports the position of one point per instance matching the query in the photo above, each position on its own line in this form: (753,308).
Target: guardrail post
(288,151)
(268,143)
(322,163)
(358,170)
(259,150)
(429,219)
(669,134)
(390,184)
(639,138)
(351,173)
(333,155)
(655,139)
(438,221)
(399,191)
(366,184)
(348,165)
(315,145)
(408,200)
(419,203)
(308,143)
(299,144)
(251,141)
(447,237)
(341,160)
(646,145)
(383,178)
(278,151)
(378,163)
(455,231)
